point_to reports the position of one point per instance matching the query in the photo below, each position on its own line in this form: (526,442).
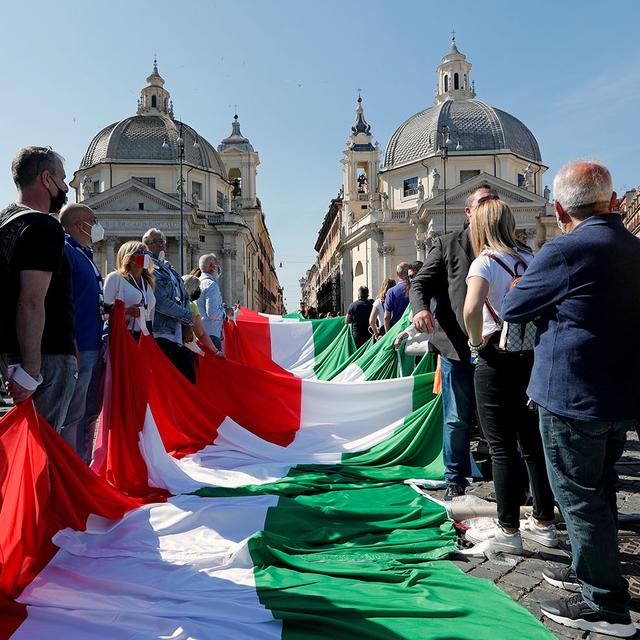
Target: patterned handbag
(515,337)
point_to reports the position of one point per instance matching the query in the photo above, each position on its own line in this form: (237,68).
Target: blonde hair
(386,285)
(124,256)
(493,227)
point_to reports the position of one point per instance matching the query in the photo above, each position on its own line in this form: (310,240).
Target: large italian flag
(317,349)
(257,505)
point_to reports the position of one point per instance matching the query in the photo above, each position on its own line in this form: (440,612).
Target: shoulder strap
(518,262)
(492,312)
(15,216)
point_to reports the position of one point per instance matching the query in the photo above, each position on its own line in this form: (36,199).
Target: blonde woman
(500,382)
(376,319)
(133,283)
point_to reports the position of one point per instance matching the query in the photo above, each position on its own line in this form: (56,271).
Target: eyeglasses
(141,251)
(156,241)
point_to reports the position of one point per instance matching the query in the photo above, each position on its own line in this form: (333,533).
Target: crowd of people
(53,327)
(536,348)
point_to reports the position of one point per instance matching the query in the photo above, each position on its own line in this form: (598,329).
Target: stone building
(629,207)
(392,211)
(142,171)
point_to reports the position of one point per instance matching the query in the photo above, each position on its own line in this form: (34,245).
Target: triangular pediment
(129,195)
(510,193)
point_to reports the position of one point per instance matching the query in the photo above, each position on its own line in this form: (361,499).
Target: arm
(203,336)
(428,282)
(387,320)
(348,319)
(166,305)
(30,317)
(543,285)
(373,319)
(477,290)
(213,302)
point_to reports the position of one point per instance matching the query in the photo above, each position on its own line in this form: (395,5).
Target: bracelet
(475,346)
(21,377)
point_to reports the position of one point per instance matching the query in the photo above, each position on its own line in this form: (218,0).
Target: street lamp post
(443,147)
(180,146)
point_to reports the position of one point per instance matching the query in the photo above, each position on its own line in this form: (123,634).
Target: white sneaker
(546,536)
(500,541)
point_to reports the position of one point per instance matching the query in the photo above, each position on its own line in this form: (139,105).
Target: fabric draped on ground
(255,505)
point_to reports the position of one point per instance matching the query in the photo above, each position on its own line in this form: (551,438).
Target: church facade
(142,171)
(393,205)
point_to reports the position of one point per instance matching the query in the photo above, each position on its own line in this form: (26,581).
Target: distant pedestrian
(582,290)
(376,318)
(37,351)
(397,299)
(210,302)
(358,317)
(82,230)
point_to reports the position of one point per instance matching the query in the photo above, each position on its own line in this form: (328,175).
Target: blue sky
(569,70)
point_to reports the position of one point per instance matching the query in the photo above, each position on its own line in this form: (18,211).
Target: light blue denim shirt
(210,305)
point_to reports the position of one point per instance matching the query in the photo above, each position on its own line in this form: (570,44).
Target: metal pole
(444,172)
(181,151)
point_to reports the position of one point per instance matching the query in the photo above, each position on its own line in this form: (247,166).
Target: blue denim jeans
(458,402)
(85,404)
(580,460)
(217,342)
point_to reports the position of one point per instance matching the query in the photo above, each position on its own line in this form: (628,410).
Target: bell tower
(154,98)
(454,76)
(360,162)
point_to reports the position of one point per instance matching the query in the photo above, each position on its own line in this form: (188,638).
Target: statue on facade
(385,200)
(372,202)
(237,189)
(87,187)
(237,205)
(547,192)
(528,178)
(225,204)
(195,200)
(362,182)
(435,179)
(420,191)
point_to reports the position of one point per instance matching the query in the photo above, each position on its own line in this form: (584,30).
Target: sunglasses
(486,199)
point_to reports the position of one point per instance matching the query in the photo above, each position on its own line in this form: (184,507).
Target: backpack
(515,337)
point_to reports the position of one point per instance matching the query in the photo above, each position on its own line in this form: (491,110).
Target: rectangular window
(410,187)
(202,238)
(520,180)
(140,206)
(96,186)
(196,190)
(220,199)
(150,182)
(468,174)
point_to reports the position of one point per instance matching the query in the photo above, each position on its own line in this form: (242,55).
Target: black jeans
(501,381)
(181,357)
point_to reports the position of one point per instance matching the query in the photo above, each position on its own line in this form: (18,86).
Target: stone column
(385,250)
(110,244)
(227,269)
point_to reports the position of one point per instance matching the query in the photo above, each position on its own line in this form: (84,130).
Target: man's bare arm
(387,320)
(30,317)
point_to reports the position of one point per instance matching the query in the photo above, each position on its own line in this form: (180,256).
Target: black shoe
(453,491)
(562,577)
(574,612)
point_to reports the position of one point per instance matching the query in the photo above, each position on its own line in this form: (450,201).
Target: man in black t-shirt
(37,350)
(358,317)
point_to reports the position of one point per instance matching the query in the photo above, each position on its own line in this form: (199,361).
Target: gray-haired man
(210,301)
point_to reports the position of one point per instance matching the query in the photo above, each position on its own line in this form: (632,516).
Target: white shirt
(499,282)
(378,305)
(119,287)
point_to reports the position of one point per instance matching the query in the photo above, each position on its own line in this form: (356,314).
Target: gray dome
(476,125)
(140,139)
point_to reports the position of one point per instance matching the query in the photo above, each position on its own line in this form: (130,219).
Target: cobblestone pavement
(524,583)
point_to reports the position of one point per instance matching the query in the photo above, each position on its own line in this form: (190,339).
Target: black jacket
(443,279)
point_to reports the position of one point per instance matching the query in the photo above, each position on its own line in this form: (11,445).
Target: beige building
(151,170)
(433,161)
(630,208)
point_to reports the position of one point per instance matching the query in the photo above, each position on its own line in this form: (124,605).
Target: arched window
(456,81)
(359,270)
(465,81)
(154,101)
(446,83)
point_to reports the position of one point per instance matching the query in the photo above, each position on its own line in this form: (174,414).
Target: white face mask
(97,233)
(161,255)
(147,261)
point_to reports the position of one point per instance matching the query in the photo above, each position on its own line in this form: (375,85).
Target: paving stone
(523,580)
(464,565)
(484,572)
(565,632)
(515,592)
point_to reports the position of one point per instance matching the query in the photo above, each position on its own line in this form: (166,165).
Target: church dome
(151,136)
(473,124)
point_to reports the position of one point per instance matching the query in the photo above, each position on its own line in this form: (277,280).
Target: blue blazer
(583,292)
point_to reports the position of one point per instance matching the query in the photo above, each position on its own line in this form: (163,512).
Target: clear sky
(569,70)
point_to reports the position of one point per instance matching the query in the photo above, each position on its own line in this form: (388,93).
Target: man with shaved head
(582,290)
(81,231)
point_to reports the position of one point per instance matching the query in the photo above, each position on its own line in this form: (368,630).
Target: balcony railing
(215,218)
